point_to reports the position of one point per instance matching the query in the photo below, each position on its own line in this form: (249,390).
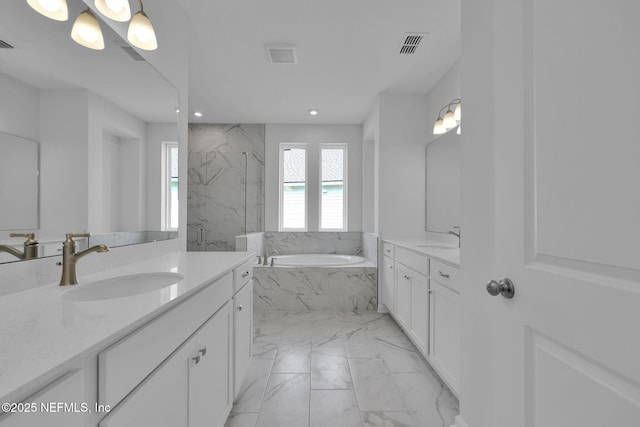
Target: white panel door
(564,91)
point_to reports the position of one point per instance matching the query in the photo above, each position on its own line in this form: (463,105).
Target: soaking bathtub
(315,260)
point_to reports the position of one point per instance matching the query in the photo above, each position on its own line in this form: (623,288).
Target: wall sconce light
(86,31)
(118,10)
(53,9)
(86,28)
(141,33)
(451,118)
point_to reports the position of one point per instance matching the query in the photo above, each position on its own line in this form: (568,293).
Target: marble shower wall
(225,186)
(253,242)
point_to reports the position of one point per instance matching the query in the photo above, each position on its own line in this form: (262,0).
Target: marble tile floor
(338,369)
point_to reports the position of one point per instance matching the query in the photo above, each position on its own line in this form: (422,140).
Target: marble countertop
(42,335)
(433,249)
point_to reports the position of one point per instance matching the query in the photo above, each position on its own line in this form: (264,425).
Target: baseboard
(459,422)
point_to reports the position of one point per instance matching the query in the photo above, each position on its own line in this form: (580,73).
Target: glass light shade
(459,131)
(141,33)
(457,114)
(449,121)
(54,9)
(438,128)
(118,10)
(86,31)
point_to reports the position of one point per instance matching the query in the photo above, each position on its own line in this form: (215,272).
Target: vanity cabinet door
(243,334)
(445,334)
(388,283)
(420,311)
(403,296)
(69,389)
(210,372)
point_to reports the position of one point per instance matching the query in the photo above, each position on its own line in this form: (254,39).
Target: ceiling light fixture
(141,33)
(197,114)
(313,112)
(118,10)
(451,119)
(86,31)
(54,9)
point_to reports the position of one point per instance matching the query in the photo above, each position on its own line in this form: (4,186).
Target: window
(316,200)
(293,187)
(332,199)
(170,185)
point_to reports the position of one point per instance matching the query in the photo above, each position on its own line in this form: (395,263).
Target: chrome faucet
(456,234)
(267,255)
(30,246)
(70,258)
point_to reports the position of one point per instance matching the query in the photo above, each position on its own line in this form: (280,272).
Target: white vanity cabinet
(242,324)
(70,388)
(388,283)
(426,306)
(445,333)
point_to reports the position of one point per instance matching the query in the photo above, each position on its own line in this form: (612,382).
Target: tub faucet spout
(267,255)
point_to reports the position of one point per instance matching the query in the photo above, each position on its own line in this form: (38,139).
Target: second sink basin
(122,286)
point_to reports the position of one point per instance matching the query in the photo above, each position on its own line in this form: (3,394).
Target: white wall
(18,108)
(105,118)
(63,163)
(314,135)
(404,128)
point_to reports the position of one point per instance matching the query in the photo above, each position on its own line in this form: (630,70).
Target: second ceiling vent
(281,53)
(410,43)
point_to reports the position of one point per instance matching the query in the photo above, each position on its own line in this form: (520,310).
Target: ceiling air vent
(5,45)
(133,53)
(410,43)
(281,53)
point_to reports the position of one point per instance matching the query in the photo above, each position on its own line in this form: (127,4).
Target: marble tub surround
(225,197)
(349,374)
(315,288)
(370,247)
(440,250)
(345,243)
(45,334)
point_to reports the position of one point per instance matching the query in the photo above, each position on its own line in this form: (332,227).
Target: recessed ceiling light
(177,110)
(197,114)
(313,112)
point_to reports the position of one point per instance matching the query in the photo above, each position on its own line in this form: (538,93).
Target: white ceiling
(347,54)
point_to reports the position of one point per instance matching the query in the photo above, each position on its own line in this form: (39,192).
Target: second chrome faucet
(70,257)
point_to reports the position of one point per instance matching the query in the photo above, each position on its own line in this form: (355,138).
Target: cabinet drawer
(388,249)
(242,275)
(446,275)
(414,261)
(125,364)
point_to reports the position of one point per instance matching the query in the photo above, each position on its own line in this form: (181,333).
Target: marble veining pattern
(351,381)
(315,288)
(286,243)
(225,196)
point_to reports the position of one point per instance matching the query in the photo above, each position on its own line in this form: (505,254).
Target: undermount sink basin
(122,286)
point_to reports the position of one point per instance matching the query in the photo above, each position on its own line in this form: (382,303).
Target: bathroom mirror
(443,208)
(18,182)
(102,121)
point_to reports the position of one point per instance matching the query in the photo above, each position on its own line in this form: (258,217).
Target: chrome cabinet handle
(446,276)
(240,308)
(503,287)
(245,274)
(196,359)
(388,250)
(407,277)
(203,351)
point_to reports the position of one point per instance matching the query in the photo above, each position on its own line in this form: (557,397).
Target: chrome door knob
(504,287)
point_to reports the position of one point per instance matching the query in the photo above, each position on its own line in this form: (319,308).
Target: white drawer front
(125,364)
(388,249)
(446,275)
(413,260)
(242,275)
